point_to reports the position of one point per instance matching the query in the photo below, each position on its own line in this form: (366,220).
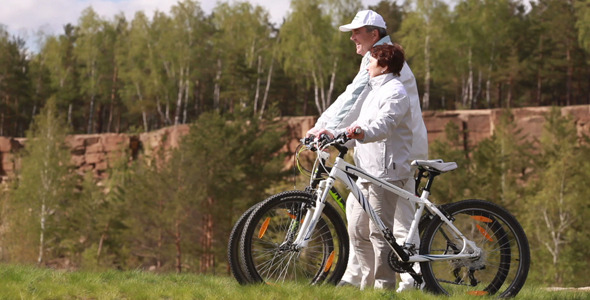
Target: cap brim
(350,27)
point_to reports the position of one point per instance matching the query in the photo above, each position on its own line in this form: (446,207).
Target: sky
(25,18)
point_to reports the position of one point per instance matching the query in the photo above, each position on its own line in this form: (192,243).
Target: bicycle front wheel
(269,255)
(233,247)
(502,267)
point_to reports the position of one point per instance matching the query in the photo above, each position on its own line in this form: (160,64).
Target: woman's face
(374,69)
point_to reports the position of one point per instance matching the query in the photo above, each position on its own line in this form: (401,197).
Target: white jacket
(345,109)
(386,118)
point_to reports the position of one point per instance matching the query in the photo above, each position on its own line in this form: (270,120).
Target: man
(368,29)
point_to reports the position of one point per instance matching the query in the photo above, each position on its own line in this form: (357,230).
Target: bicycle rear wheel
(503,265)
(267,250)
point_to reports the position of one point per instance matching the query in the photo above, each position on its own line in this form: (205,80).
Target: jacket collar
(380,80)
(384,40)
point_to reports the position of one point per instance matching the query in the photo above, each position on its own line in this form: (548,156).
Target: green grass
(23,282)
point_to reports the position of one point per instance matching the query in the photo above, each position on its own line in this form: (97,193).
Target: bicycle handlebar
(325,141)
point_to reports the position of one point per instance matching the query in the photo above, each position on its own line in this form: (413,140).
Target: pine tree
(446,187)
(499,164)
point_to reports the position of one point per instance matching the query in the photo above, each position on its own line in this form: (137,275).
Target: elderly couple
(382,101)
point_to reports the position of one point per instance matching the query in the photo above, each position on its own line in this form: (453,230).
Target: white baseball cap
(364,18)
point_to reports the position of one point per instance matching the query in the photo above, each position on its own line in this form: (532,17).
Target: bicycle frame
(342,170)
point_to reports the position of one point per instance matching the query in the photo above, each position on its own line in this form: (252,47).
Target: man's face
(363,40)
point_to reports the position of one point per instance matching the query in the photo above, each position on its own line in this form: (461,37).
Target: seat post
(431,175)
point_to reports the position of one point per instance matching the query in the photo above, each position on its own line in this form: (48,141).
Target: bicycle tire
(266,255)
(502,268)
(233,248)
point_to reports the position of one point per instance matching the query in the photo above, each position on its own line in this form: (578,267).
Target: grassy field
(21,282)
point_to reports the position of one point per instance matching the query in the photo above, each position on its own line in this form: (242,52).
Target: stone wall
(97,152)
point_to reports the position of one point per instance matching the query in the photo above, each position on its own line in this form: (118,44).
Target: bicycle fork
(313,214)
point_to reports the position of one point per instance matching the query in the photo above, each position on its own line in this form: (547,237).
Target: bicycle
(470,247)
(234,261)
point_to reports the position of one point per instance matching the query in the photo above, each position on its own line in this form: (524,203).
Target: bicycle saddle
(437,165)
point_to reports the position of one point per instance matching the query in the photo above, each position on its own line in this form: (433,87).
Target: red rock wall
(97,152)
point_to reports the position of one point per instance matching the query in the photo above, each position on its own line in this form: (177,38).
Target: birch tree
(556,210)
(247,40)
(419,33)
(308,51)
(42,187)
(88,51)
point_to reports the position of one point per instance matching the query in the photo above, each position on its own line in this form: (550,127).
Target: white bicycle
(470,247)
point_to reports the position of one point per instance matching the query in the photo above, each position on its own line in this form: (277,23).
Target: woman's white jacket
(385,116)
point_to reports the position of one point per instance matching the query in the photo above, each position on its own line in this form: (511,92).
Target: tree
(59,59)
(89,44)
(423,50)
(452,148)
(43,185)
(181,200)
(228,185)
(137,70)
(556,208)
(499,164)
(582,11)
(311,59)
(245,34)
(15,86)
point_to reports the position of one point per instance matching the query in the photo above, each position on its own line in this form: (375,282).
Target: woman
(384,138)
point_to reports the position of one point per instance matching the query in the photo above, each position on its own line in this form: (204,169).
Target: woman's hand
(355,132)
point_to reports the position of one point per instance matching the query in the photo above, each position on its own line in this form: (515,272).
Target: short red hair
(390,56)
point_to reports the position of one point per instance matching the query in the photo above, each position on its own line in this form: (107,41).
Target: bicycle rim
(267,250)
(503,265)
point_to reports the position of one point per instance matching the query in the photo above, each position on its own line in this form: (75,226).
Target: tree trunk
(470,79)
(426,96)
(257,92)
(113,98)
(186,98)
(570,75)
(181,83)
(177,240)
(70,110)
(539,98)
(207,259)
(268,79)
(316,93)
(42,233)
(216,90)
(103,237)
(92,99)
(332,80)
(91,114)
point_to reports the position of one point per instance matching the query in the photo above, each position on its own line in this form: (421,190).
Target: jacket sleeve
(332,118)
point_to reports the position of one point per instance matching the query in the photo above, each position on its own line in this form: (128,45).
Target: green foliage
(117,75)
(42,191)
(181,202)
(499,165)
(446,189)
(556,216)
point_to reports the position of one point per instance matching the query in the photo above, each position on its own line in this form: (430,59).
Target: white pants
(403,216)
